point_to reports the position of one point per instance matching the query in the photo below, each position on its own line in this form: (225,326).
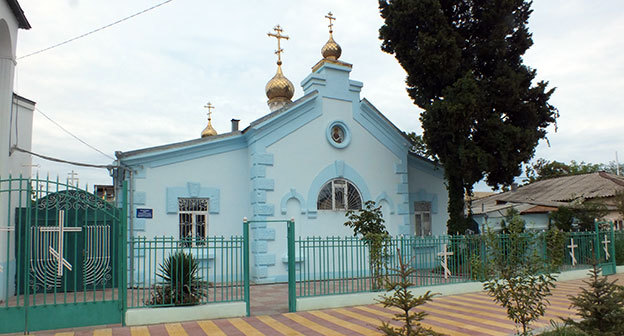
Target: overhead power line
(95,30)
(81,164)
(73,135)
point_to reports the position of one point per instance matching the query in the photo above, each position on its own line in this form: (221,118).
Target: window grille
(339,194)
(193,220)
(422,218)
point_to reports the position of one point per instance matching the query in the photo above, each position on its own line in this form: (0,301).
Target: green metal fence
(218,276)
(341,265)
(61,257)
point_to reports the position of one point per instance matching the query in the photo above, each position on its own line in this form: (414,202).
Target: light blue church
(311,159)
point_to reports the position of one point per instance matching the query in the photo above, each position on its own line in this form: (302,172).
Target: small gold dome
(279,88)
(331,50)
(209,130)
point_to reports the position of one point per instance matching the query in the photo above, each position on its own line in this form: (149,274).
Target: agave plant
(180,284)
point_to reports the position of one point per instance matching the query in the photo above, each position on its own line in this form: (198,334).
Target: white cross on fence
(5,229)
(61,229)
(606,247)
(444,254)
(572,246)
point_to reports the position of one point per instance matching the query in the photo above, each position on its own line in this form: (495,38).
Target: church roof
(215,138)
(19,14)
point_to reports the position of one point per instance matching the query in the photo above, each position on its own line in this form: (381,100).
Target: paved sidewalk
(465,314)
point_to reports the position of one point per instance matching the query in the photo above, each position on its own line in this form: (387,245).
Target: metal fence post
(246,265)
(123,244)
(292,301)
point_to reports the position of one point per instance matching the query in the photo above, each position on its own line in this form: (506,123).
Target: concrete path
(465,314)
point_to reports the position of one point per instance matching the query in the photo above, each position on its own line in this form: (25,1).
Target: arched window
(339,194)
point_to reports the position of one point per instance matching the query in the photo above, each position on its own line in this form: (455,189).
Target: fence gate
(290,236)
(62,257)
(605,251)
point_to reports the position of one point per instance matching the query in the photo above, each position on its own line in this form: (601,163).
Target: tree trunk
(457,221)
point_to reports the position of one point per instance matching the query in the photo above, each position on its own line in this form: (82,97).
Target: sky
(144,82)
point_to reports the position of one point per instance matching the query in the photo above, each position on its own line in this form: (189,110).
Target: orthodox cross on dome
(606,247)
(6,229)
(331,17)
(61,229)
(278,35)
(445,254)
(209,107)
(572,246)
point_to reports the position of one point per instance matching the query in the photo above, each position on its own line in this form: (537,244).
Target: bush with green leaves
(517,276)
(600,305)
(181,284)
(402,298)
(369,223)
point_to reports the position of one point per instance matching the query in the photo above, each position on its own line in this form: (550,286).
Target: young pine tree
(403,299)
(600,306)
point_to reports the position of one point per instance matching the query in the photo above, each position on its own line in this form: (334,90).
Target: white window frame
(344,185)
(422,213)
(195,207)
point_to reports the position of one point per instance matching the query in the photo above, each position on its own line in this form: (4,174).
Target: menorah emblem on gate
(49,264)
(48,252)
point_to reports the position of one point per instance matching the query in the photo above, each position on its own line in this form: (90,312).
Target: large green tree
(483,115)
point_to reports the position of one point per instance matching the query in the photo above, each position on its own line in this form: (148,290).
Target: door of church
(63,258)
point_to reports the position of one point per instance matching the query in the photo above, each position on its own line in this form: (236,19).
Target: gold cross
(278,36)
(209,107)
(331,17)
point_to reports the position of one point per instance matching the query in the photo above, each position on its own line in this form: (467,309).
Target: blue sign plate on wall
(143,213)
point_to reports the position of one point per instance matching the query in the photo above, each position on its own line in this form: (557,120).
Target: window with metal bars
(422,218)
(193,220)
(339,194)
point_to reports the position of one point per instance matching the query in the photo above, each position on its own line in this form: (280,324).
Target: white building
(311,159)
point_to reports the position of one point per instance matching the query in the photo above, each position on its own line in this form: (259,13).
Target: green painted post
(613,261)
(597,246)
(246,265)
(292,301)
(123,245)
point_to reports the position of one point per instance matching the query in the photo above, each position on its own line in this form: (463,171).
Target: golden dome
(208,131)
(279,88)
(331,49)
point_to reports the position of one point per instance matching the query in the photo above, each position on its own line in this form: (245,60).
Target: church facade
(311,160)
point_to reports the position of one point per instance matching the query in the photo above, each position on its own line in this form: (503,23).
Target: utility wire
(73,135)
(15,148)
(95,30)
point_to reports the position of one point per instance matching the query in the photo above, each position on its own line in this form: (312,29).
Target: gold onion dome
(279,88)
(209,130)
(331,50)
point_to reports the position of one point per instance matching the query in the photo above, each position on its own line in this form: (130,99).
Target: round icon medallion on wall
(338,134)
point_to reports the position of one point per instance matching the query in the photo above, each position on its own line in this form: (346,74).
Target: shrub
(369,223)
(180,284)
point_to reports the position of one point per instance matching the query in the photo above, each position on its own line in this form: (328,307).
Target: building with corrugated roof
(535,201)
